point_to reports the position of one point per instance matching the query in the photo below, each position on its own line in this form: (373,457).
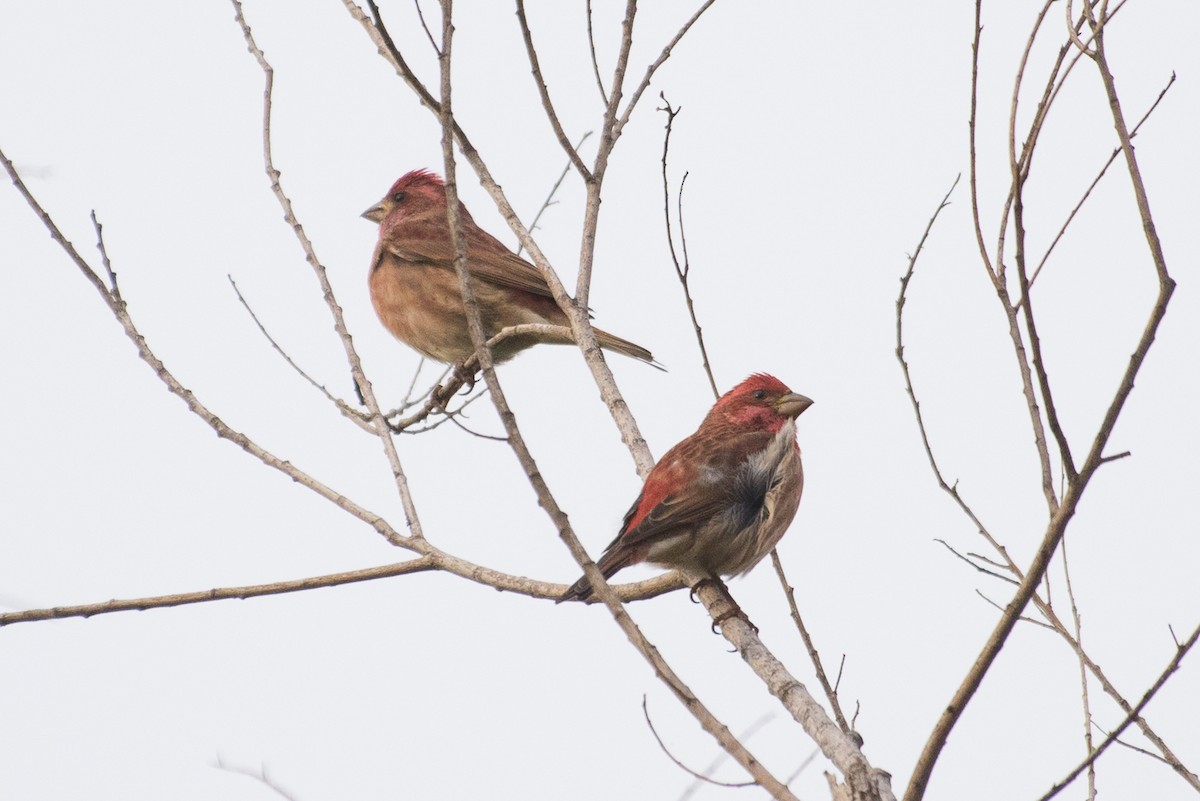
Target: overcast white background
(819,138)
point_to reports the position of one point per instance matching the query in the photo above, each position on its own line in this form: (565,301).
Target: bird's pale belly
(422,306)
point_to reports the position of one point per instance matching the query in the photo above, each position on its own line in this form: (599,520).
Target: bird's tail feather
(614,342)
(582,589)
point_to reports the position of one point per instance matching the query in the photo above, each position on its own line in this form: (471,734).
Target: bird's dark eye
(759,394)
(399,197)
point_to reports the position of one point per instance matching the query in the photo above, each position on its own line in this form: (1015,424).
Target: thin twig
(682,271)
(1180,653)
(418,565)
(1077,622)
(678,763)
(981,569)
(352,358)
(577,316)
(544,92)
(260,776)
(830,691)
(843,750)
(592,51)
(348,411)
(1087,193)
(516,441)
(553,191)
(1061,516)
(723,757)
(425,27)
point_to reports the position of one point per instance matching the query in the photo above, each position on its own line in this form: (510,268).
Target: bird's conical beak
(792,405)
(376,213)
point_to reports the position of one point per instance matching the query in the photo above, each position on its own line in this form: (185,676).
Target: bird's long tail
(614,342)
(609,564)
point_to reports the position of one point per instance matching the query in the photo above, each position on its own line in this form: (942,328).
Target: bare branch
(425,27)
(1077,621)
(592,50)
(547,103)
(679,764)
(722,757)
(559,519)
(830,691)
(1180,653)
(682,271)
(348,411)
(339,322)
(1087,193)
(553,191)
(418,565)
(260,776)
(842,749)
(977,567)
(576,313)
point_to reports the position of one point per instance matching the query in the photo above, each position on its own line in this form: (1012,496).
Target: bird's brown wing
(711,491)
(491,260)
(428,241)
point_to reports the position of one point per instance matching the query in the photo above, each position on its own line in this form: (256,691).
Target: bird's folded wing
(428,242)
(721,482)
(491,260)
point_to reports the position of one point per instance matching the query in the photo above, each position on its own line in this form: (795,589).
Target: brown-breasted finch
(719,501)
(416,291)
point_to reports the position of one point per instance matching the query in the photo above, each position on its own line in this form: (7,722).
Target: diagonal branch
(683,271)
(547,103)
(356,368)
(536,480)
(1181,651)
(576,314)
(863,782)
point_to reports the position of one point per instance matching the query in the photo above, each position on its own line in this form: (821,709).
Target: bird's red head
(414,194)
(761,401)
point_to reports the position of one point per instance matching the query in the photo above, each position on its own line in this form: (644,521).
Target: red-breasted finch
(416,291)
(720,500)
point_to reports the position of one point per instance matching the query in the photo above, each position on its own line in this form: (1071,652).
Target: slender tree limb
(425,27)
(356,368)
(695,774)
(830,691)
(722,757)
(418,565)
(1180,652)
(592,51)
(475,325)
(260,777)
(611,130)
(1085,698)
(1087,192)
(1061,516)
(973,564)
(544,92)
(549,201)
(863,782)
(430,559)
(1008,564)
(576,315)
(349,412)
(682,271)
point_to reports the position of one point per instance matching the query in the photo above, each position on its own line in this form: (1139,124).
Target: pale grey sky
(819,138)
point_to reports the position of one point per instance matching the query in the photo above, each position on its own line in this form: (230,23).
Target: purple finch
(719,501)
(416,292)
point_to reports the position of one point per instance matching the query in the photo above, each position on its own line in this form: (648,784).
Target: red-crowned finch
(416,292)
(718,501)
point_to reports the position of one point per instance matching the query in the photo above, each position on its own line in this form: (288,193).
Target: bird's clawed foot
(695,588)
(731,606)
(462,377)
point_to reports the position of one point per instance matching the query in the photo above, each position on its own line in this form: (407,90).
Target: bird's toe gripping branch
(731,608)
